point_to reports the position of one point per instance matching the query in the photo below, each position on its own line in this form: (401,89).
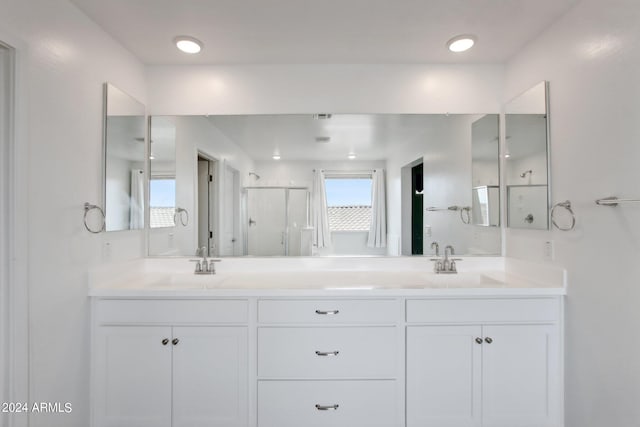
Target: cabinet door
(443,376)
(133,376)
(521,374)
(210,377)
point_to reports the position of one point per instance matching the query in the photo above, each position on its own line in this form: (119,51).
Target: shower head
(254,174)
(524,174)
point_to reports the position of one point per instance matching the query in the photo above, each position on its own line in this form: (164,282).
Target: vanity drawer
(330,352)
(483,310)
(192,311)
(329,311)
(356,403)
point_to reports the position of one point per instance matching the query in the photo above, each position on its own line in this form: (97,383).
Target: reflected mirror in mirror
(323,184)
(124,154)
(485,171)
(527,159)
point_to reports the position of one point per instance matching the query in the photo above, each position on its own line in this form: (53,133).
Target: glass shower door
(267,219)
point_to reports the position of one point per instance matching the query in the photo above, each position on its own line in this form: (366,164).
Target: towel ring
(567,205)
(184,219)
(89,207)
(466,209)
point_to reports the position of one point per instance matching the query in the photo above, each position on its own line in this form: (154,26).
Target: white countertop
(400,276)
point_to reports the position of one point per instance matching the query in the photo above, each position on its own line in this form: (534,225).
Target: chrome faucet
(202,265)
(445,265)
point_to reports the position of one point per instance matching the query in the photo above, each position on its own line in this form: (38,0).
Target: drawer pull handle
(327,353)
(327,407)
(175,341)
(165,341)
(328,312)
(488,340)
(479,340)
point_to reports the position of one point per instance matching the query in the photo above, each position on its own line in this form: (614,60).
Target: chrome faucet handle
(198,265)
(437,248)
(212,265)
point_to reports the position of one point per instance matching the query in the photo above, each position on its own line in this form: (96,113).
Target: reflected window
(349,203)
(162,202)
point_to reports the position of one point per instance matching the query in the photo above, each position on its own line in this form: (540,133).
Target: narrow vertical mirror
(485,171)
(527,159)
(124,153)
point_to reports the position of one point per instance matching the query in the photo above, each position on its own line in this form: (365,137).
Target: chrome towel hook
(89,207)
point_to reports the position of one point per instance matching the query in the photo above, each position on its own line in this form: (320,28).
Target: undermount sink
(464,280)
(329,280)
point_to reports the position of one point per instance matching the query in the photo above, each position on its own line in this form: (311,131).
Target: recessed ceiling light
(276,157)
(188,44)
(351,156)
(461,43)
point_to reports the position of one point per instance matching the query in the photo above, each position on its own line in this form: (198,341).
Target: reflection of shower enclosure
(527,206)
(276,217)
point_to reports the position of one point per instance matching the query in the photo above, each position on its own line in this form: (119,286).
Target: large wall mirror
(527,159)
(124,164)
(323,184)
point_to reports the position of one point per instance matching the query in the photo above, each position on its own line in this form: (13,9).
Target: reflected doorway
(207,204)
(417,218)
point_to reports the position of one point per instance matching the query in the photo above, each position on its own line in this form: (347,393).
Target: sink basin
(464,280)
(329,280)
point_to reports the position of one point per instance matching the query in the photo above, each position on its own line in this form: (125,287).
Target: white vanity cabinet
(331,363)
(158,363)
(472,366)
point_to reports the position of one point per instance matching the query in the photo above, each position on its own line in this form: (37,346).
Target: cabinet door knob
(327,407)
(175,341)
(327,312)
(165,341)
(479,340)
(327,353)
(488,340)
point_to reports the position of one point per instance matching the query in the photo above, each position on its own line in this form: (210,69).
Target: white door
(230,213)
(520,368)
(210,377)
(134,375)
(443,376)
(267,216)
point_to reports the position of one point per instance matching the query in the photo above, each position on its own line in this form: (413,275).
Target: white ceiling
(369,136)
(323,31)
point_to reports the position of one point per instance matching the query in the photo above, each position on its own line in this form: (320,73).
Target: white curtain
(319,212)
(378,230)
(136,216)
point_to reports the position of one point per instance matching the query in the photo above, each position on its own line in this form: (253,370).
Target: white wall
(262,89)
(64,59)
(592,59)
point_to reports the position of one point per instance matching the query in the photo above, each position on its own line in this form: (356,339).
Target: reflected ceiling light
(276,157)
(351,156)
(461,43)
(188,44)
(322,116)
